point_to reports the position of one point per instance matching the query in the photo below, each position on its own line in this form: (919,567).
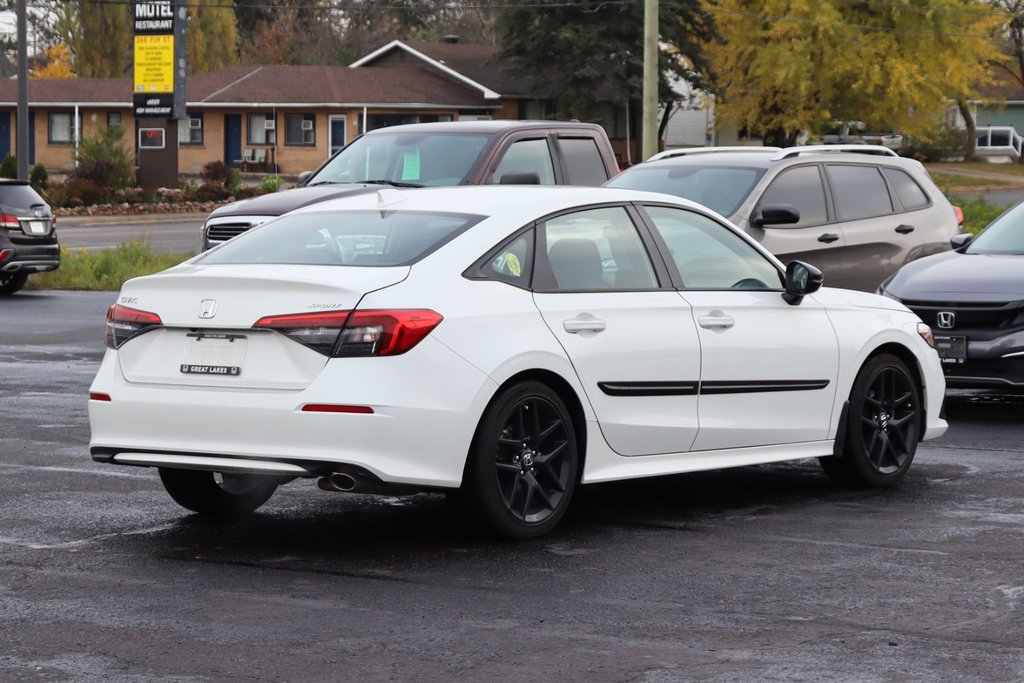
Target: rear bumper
(425,409)
(29,258)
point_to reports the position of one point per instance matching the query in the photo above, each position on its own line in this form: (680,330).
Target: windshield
(348,238)
(720,188)
(1005,235)
(408,159)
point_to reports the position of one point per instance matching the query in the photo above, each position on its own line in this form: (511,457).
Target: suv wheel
(12,282)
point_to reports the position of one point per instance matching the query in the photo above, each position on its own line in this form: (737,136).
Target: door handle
(577,325)
(828,237)
(904,229)
(716,322)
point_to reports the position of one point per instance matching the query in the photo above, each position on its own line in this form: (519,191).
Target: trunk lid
(207,314)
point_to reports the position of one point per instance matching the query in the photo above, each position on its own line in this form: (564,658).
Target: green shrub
(79,192)
(947,144)
(9,167)
(105,160)
(105,270)
(219,173)
(38,177)
(271,183)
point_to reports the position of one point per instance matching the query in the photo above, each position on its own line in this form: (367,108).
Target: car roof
(787,156)
(12,181)
(490,127)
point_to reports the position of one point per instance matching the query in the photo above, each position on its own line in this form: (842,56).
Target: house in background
(288,119)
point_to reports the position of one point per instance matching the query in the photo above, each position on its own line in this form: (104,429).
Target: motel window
(62,128)
(262,129)
(300,130)
(190,129)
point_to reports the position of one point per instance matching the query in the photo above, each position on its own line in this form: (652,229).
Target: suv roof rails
(790,152)
(688,151)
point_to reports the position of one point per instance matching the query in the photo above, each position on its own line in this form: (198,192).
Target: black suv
(435,155)
(28,235)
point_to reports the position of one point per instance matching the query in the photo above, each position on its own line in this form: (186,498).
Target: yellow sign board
(154,64)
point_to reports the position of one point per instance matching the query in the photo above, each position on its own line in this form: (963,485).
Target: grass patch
(946,179)
(105,270)
(977,212)
(986,166)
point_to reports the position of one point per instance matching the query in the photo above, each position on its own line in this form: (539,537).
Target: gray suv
(857,212)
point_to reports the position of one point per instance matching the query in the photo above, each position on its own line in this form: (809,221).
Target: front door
(768,368)
(338,133)
(5,133)
(632,342)
(233,139)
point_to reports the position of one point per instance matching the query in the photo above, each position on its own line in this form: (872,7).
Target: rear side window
(583,161)
(594,249)
(17,196)
(910,193)
(349,238)
(803,189)
(512,263)
(525,162)
(859,192)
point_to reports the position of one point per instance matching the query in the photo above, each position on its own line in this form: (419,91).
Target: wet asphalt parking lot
(760,573)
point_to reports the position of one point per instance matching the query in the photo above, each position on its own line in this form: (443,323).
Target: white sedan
(505,345)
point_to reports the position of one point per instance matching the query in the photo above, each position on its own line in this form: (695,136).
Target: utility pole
(650,91)
(21,145)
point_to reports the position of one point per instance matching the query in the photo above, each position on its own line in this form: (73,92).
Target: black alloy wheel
(523,463)
(883,425)
(12,282)
(215,494)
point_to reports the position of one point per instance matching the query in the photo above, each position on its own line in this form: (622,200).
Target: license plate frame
(213,353)
(952,350)
(38,228)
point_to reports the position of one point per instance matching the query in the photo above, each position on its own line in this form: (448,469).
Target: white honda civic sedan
(505,345)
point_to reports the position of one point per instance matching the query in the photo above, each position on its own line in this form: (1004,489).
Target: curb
(129,219)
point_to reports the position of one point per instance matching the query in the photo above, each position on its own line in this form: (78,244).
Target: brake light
(94,396)
(356,333)
(123,323)
(5,254)
(959,215)
(9,221)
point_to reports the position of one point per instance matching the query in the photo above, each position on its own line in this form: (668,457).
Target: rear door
(877,239)
(582,163)
(631,340)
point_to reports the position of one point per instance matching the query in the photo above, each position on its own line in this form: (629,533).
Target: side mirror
(960,241)
(304,177)
(776,214)
(801,279)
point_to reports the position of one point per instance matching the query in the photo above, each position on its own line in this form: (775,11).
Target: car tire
(12,282)
(883,426)
(523,463)
(233,494)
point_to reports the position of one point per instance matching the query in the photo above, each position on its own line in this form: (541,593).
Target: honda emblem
(207,308)
(946,319)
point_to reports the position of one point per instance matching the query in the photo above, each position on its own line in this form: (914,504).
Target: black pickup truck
(435,155)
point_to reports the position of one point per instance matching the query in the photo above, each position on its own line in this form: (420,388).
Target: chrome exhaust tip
(337,481)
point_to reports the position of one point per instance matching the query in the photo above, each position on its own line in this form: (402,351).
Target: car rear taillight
(9,221)
(5,254)
(356,333)
(959,215)
(123,323)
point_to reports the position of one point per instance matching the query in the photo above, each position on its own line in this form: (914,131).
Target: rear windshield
(720,188)
(427,159)
(349,238)
(18,196)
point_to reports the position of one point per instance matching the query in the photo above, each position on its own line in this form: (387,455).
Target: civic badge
(946,319)
(207,308)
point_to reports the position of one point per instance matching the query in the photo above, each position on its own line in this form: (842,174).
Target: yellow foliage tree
(212,36)
(786,66)
(58,63)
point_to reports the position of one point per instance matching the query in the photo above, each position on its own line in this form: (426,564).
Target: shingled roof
(271,86)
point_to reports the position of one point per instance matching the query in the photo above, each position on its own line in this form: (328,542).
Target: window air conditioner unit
(195,123)
(307,124)
(269,124)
